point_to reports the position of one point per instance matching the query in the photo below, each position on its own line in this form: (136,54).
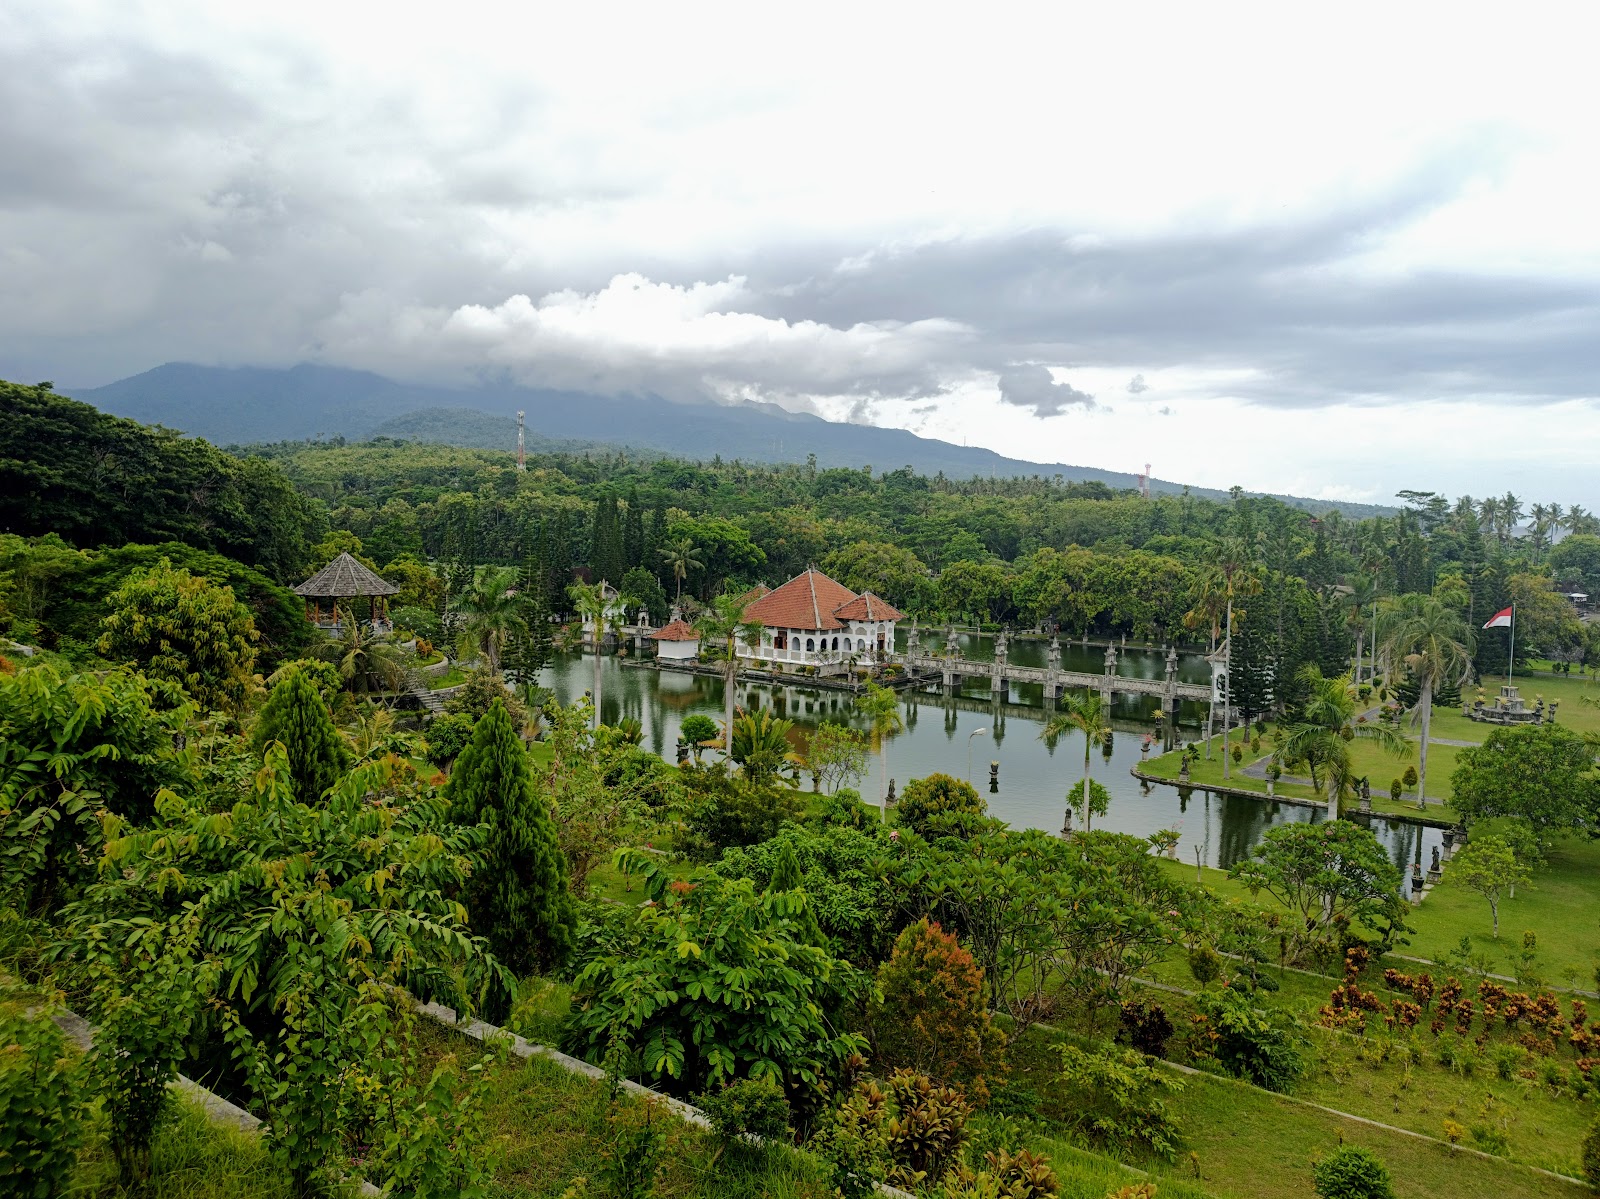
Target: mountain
(240,405)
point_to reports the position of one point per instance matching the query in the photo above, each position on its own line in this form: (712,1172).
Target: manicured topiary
(517,894)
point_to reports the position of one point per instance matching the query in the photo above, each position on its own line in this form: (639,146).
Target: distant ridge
(240,405)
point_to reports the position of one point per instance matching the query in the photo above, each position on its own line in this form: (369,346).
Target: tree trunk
(1333,794)
(597,676)
(1494,911)
(1425,702)
(1227,691)
(883,776)
(1088,812)
(730,672)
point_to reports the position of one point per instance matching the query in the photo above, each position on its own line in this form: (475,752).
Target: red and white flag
(1500,619)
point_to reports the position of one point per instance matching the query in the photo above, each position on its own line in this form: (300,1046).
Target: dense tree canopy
(97,479)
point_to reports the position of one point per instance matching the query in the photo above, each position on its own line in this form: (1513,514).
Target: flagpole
(1511,646)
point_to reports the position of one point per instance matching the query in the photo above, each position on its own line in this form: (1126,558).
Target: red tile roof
(814,601)
(867,606)
(676,631)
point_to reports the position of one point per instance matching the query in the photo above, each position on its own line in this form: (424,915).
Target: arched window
(835,643)
(861,643)
(811,644)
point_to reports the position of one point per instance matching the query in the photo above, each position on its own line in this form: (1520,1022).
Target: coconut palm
(1321,737)
(1432,642)
(1229,575)
(589,601)
(761,744)
(365,662)
(1086,713)
(491,614)
(881,707)
(1363,591)
(724,621)
(680,557)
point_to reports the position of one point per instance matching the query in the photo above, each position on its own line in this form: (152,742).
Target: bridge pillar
(1107,690)
(997,673)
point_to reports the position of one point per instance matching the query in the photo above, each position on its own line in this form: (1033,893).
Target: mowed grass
(1367,758)
(1251,1144)
(1561,907)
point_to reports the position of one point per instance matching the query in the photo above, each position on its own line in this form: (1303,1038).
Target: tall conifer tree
(295,715)
(517,896)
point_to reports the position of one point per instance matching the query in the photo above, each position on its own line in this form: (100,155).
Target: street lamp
(983,732)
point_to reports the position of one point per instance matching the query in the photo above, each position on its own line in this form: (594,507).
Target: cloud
(1166,410)
(1137,385)
(1033,386)
(698,340)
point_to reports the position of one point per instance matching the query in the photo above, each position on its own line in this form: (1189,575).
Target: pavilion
(816,621)
(340,581)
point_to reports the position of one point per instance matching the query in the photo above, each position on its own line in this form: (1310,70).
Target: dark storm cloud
(1031,386)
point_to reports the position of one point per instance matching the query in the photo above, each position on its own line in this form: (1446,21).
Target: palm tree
(1363,591)
(881,706)
(1321,737)
(1435,645)
(1230,575)
(365,663)
(589,601)
(724,621)
(761,744)
(1581,520)
(1086,713)
(680,556)
(491,613)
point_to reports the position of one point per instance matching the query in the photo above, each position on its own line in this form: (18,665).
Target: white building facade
(813,620)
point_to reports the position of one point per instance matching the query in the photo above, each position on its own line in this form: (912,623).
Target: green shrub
(932,1017)
(1118,1096)
(42,1104)
(448,736)
(940,805)
(148,991)
(1591,1155)
(1257,1043)
(1205,964)
(747,1107)
(636,1133)
(1351,1173)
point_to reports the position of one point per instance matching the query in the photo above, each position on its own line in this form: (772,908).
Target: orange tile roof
(807,601)
(675,631)
(867,606)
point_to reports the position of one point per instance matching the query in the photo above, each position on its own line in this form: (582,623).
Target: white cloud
(697,340)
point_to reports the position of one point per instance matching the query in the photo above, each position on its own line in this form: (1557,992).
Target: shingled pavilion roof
(344,578)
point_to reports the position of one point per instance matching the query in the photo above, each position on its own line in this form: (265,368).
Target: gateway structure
(813,620)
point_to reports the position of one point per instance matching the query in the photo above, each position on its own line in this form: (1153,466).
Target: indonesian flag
(1500,619)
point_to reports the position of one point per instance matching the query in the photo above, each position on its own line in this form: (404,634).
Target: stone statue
(1434,869)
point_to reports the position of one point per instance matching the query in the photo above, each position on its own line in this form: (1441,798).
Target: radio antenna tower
(1144,482)
(522,457)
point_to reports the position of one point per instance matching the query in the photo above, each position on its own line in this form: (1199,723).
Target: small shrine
(339,582)
(1509,708)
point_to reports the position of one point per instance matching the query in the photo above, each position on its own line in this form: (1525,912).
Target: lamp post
(983,732)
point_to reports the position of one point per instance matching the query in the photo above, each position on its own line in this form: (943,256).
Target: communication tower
(522,458)
(1144,481)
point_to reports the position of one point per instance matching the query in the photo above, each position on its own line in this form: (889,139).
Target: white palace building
(813,620)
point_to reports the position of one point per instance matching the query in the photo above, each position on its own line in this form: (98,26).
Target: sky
(1330,251)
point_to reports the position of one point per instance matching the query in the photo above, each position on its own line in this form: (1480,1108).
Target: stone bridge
(952,668)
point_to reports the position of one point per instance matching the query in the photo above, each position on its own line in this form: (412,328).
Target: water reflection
(1033,780)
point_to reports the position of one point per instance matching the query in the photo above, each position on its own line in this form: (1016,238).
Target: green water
(1033,781)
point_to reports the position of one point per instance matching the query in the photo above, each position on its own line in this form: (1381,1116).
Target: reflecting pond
(1032,780)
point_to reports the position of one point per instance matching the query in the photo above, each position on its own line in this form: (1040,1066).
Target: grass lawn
(453,677)
(192,1158)
(554,1128)
(1251,1144)
(1367,759)
(1562,907)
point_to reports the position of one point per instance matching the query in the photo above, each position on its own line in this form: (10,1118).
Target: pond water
(1033,781)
